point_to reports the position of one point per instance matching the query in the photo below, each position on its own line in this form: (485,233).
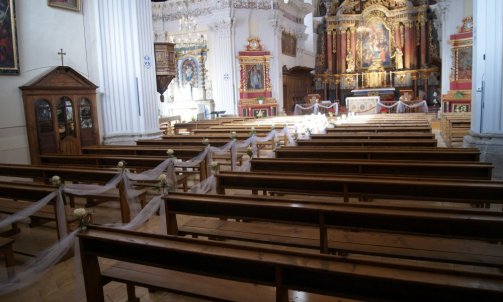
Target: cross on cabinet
(60,111)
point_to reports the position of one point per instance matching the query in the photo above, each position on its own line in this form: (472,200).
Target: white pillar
(127,70)
(487,94)
(224,86)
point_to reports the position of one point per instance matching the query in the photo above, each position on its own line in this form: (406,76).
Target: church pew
(15,197)
(379,129)
(283,269)
(354,217)
(386,135)
(181,142)
(180,152)
(457,191)
(380,153)
(368,142)
(134,162)
(226,131)
(460,170)
(74,174)
(189,126)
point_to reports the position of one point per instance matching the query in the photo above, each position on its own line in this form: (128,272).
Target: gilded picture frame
(9,57)
(74,5)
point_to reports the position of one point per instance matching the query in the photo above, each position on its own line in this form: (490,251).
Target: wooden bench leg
(131,295)
(281,291)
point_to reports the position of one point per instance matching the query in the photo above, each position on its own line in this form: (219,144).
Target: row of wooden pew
(393,222)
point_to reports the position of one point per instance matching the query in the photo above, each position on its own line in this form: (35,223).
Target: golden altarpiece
(255,89)
(385,48)
(60,112)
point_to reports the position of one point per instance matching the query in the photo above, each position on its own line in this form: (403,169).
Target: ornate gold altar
(377,44)
(255,91)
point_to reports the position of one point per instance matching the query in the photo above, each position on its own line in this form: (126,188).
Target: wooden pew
(460,170)
(377,129)
(454,126)
(180,142)
(363,135)
(165,123)
(135,162)
(368,142)
(325,216)
(457,191)
(15,197)
(180,152)
(380,153)
(283,269)
(75,174)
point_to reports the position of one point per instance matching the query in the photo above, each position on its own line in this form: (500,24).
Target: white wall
(42,31)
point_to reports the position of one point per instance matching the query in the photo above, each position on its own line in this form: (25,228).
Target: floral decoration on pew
(56,181)
(233,135)
(84,216)
(214,166)
(163,185)
(170,153)
(121,165)
(252,131)
(206,141)
(249,151)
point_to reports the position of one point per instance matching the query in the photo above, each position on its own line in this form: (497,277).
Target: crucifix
(61,53)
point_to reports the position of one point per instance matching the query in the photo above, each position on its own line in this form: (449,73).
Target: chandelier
(188,38)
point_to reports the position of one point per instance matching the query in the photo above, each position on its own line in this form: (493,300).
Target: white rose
(56,178)
(80,212)
(206,141)
(170,152)
(120,164)
(162,177)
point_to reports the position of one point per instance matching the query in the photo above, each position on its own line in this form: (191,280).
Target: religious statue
(350,61)
(398,55)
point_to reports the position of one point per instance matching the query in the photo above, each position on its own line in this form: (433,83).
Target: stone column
(486,131)
(353,45)
(124,51)
(224,86)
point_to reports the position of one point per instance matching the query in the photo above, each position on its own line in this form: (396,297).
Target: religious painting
(188,69)
(464,63)
(288,44)
(9,60)
(255,77)
(66,4)
(375,46)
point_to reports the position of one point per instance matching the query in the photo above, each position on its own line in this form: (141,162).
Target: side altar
(255,89)
(382,48)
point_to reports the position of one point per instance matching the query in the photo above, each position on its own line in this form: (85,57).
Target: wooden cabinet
(60,112)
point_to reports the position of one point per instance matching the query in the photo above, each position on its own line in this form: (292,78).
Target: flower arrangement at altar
(214,166)
(56,181)
(121,165)
(252,131)
(260,114)
(249,151)
(233,135)
(84,217)
(163,184)
(206,141)
(170,153)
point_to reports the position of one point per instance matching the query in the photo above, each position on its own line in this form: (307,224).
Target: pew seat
(351,277)
(349,242)
(208,287)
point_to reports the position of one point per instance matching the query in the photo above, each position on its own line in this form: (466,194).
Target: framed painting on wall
(255,77)
(9,60)
(67,4)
